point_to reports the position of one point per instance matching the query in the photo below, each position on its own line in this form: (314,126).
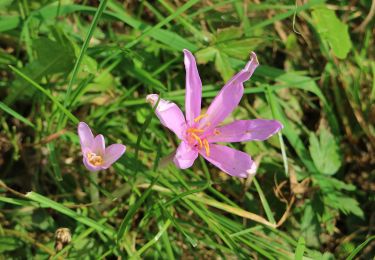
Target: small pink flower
(199,133)
(95,156)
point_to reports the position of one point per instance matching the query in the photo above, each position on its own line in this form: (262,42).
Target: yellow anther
(195,130)
(216,132)
(198,140)
(206,147)
(94,159)
(198,118)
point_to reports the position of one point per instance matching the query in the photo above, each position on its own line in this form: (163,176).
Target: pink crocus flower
(95,156)
(199,133)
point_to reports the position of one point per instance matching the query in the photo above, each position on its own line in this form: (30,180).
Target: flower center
(94,159)
(196,136)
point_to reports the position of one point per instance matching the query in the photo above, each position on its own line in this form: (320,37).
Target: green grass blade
(84,47)
(155,239)
(17,202)
(132,210)
(169,38)
(300,249)
(290,133)
(150,30)
(46,202)
(283,153)
(15,114)
(264,202)
(47,93)
(285,15)
(54,162)
(360,247)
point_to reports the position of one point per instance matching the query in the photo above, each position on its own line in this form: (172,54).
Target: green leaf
(205,55)
(239,49)
(331,29)
(300,249)
(8,23)
(310,225)
(344,203)
(325,152)
(328,183)
(228,33)
(8,243)
(223,66)
(51,57)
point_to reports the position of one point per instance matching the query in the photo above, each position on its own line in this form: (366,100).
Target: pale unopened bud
(62,238)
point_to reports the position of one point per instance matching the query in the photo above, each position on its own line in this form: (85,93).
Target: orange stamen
(198,118)
(216,132)
(195,130)
(198,140)
(95,159)
(206,147)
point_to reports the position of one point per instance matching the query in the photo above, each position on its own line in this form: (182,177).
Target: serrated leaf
(310,226)
(344,203)
(228,33)
(325,152)
(205,55)
(331,29)
(223,66)
(327,184)
(239,49)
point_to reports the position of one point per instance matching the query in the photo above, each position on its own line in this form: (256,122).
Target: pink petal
(193,90)
(230,161)
(86,138)
(112,154)
(229,96)
(98,146)
(246,130)
(185,156)
(89,166)
(169,114)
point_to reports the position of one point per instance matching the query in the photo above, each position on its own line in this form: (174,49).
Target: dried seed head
(62,238)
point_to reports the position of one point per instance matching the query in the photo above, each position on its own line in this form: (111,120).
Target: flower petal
(185,156)
(229,96)
(246,130)
(86,138)
(193,90)
(91,167)
(230,161)
(112,154)
(169,114)
(98,147)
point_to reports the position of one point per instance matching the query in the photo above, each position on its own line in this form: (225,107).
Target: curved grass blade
(360,247)
(82,52)
(46,92)
(15,114)
(46,202)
